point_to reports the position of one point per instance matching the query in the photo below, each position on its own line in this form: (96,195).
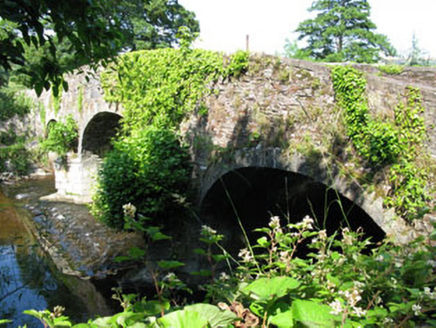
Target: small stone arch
(252,195)
(48,126)
(99,132)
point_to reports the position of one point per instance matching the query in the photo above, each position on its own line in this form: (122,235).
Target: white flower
(359,284)
(275,222)
(336,306)
(322,235)
(388,320)
(431,263)
(380,258)
(206,230)
(245,255)
(307,222)
(129,210)
(398,263)
(417,309)
(224,276)
(359,311)
(347,238)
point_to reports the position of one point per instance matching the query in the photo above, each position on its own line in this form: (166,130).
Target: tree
(150,24)
(46,38)
(342,31)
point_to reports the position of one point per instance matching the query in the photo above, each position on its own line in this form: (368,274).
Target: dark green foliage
(383,143)
(41,39)
(146,169)
(151,24)
(342,31)
(83,23)
(14,156)
(13,102)
(61,137)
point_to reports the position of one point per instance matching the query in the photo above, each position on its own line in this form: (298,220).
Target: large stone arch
(250,196)
(314,173)
(99,132)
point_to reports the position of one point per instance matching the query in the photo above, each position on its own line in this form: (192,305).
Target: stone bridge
(267,139)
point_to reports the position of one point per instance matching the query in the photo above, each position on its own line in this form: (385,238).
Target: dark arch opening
(99,133)
(48,126)
(256,194)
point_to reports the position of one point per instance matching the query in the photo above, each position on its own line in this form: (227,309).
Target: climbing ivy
(80,99)
(160,87)
(157,89)
(61,137)
(385,143)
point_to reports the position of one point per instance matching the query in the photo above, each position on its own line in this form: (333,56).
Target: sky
(224,24)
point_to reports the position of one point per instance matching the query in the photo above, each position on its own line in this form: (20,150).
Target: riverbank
(77,243)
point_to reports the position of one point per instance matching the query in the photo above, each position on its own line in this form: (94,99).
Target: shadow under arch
(254,194)
(99,132)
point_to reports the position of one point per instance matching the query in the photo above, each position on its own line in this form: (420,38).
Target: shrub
(15,159)
(61,137)
(392,69)
(145,169)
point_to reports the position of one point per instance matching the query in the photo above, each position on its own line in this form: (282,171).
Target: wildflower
(347,237)
(336,306)
(388,320)
(359,284)
(207,231)
(416,308)
(245,255)
(284,256)
(330,286)
(170,277)
(359,311)
(431,263)
(129,210)
(275,222)
(380,258)
(224,276)
(429,294)
(307,222)
(322,235)
(398,263)
(394,281)
(352,297)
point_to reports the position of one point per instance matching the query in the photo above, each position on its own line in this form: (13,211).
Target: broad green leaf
(4,321)
(283,320)
(312,314)
(273,288)
(214,316)
(136,253)
(183,319)
(151,307)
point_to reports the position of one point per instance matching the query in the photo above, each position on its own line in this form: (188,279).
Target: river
(28,278)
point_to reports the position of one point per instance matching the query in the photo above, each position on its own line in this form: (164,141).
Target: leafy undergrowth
(344,281)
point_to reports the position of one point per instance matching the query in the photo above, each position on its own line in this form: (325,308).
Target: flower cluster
(129,210)
(352,297)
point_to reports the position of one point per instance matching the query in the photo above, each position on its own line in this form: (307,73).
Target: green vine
(57,100)
(160,87)
(383,143)
(80,99)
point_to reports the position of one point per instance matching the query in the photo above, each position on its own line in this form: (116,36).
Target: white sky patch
(224,24)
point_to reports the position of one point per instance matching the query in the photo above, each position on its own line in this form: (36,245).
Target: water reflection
(28,280)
